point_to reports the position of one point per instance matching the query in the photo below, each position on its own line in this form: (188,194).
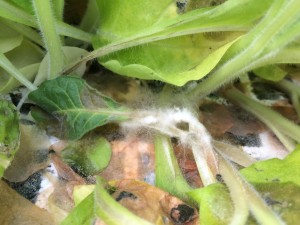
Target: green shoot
(45,18)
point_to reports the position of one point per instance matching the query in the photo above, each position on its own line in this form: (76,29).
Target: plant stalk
(12,70)
(45,19)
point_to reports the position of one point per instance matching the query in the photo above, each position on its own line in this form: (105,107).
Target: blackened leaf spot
(182,213)
(125,194)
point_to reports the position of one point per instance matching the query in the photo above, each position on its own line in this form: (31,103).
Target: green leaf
(176,60)
(111,212)
(9,39)
(80,107)
(275,170)
(89,155)
(9,134)
(215,204)
(168,175)
(283,198)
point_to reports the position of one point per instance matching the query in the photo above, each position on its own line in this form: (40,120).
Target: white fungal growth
(184,125)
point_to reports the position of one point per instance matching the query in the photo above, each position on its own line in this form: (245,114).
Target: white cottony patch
(167,121)
(184,125)
(46,183)
(271,148)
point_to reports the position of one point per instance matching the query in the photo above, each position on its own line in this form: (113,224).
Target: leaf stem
(235,185)
(268,116)
(244,196)
(45,19)
(280,14)
(12,70)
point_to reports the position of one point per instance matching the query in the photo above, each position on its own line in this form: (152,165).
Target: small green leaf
(80,107)
(275,170)
(215,204)
(270,72)
(9,134)
(89,155)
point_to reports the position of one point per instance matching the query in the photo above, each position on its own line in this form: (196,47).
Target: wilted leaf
(132,158)
(89,155)
(9,134)
(111,212)
(16,210)
(80,107)
(153,204)
(32,155)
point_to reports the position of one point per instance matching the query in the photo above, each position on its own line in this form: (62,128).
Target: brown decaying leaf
(32,155)
(132,158)
(188,165)
(219,119)
(16,210)
(154,204)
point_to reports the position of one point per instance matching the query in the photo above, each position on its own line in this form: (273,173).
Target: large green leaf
(9,134)
(80,107)
(176,60)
